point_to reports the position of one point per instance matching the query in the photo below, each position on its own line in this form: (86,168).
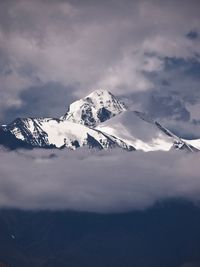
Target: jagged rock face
(29,130)
(143,133)
(95,108)
(75,129)
(55,133)
(99,121)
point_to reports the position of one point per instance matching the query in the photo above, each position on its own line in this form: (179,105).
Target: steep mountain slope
(195,143)
(95,108)
(136,129)
(49,133)
(165,235)
(100,121)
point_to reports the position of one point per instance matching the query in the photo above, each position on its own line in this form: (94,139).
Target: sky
(146,52)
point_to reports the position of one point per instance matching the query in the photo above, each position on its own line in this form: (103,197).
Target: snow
(61,132)
(137,132)
(103,98)
(127,129)
(195,143)
(91,105)
(16,131)
(64,133)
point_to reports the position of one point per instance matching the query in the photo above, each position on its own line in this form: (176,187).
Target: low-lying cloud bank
(112,181)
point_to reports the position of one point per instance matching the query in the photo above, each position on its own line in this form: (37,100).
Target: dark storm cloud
(48,100)
(111,181)
(161,105)
(175,97)
(193,35)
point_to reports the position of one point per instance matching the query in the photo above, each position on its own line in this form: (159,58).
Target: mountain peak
(98,106)
(99,92)
(77,128)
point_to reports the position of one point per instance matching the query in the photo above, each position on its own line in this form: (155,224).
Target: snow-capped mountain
(138,130)
(49,133)
(95,108)
(100,121)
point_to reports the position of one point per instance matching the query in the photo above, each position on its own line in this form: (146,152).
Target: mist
(96,181)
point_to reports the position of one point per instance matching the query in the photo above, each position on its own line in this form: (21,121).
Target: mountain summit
(100,121)
(95,108)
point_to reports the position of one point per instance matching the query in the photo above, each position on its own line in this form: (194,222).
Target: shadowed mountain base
(166,235)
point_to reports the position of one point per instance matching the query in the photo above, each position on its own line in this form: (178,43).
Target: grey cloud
(111,181)
(118,45)
(168,106)
(160,105)
(193,35)
(184,129)
(48,100)
(175,96)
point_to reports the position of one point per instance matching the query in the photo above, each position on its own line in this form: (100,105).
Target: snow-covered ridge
(95,108)
(100,121)
(143,133)
(49,132)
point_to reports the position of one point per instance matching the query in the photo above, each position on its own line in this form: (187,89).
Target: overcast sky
(52,52)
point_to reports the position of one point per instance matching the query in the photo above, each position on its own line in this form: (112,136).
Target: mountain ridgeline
(99,120)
